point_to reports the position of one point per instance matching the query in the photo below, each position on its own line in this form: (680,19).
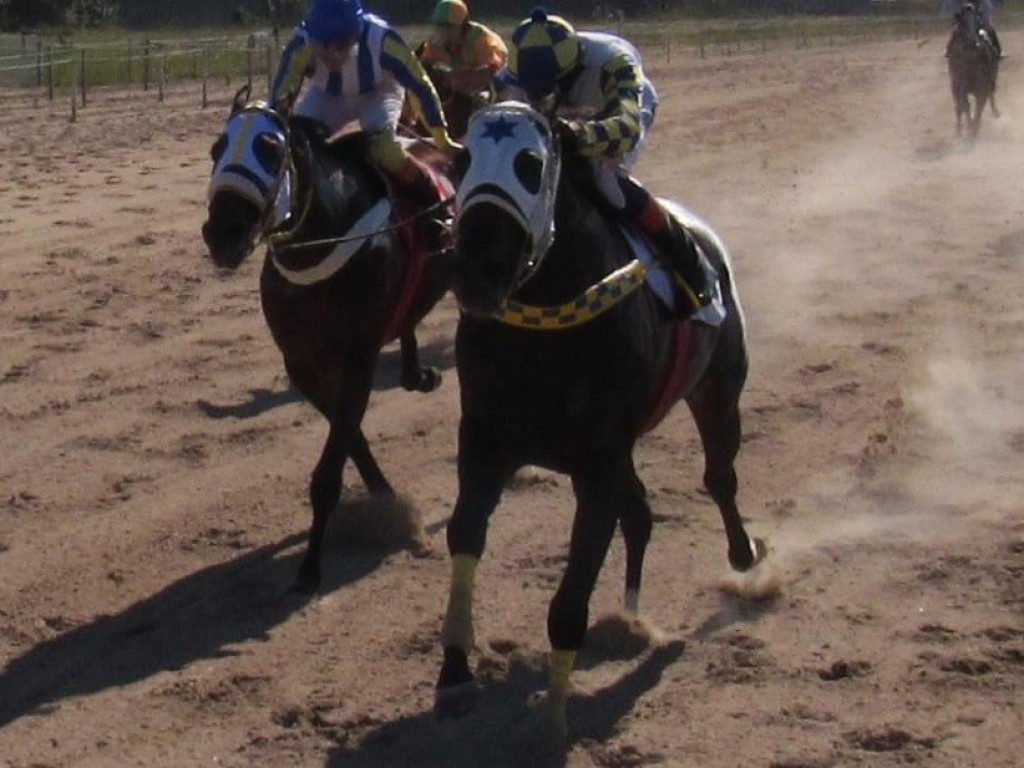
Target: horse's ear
(241,100)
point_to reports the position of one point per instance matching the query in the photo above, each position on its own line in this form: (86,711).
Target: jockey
(606,107)
(359,70)
(471,52)
(984,7)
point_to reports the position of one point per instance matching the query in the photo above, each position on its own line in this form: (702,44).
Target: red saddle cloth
(419,251)
(675,375)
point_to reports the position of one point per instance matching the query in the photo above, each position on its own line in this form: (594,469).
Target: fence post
(248,57)
(145,65)
(74,94)
(270,66)
(81,76)
(39,62)
(49,71)
(206,75)
(129,61)
(163,72)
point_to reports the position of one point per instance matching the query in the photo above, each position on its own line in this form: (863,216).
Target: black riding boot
(676,249)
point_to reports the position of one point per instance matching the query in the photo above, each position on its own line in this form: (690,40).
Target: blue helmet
(329,21)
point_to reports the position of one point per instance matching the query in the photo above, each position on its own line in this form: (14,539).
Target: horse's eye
(269,152)
(529,169)
(218,147)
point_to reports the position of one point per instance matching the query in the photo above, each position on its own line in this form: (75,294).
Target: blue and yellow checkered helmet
(543,50)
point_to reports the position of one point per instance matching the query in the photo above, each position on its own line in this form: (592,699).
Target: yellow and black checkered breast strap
(593,302)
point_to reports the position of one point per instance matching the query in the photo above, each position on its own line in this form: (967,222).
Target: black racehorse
(565,358)
(973,61)
(339,280)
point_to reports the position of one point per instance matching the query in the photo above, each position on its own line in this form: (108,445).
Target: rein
(279,239)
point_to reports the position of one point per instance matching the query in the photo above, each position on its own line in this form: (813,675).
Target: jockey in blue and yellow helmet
(595,84)
(357,68)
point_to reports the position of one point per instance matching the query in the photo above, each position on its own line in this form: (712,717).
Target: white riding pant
(374,111)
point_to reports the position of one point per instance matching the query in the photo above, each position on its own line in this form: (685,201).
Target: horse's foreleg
(715,408)
(635,520)
(974,116)
(416,378)
(600,495)
(482,476)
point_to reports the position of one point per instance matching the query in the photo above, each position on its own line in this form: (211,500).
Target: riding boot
(419,188)
(677,251)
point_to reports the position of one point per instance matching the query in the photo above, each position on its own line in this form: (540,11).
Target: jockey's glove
(444,141)
(571,135)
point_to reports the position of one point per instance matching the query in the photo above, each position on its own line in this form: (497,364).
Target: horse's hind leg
(715,408)
(325,485)
(368,468)
(416,378)
(635,521)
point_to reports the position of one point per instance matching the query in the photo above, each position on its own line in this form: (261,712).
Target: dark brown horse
(565,358)
(973,60)
(341,277)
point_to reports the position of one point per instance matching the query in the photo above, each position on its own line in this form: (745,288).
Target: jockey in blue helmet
(357,68)
(595,83)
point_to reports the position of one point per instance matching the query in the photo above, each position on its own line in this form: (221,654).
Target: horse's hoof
(430,379)
(747,560)
(427,379)
(455,701)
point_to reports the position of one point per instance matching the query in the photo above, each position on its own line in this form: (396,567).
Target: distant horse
(340,278)
(973,62)
(565,358)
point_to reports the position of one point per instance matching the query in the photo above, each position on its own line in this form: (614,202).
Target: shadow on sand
(440,355)
(200,616)
(504,731)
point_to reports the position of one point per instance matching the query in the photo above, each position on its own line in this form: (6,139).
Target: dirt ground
(153,462)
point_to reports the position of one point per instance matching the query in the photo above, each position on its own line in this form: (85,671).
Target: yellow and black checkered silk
(617,133)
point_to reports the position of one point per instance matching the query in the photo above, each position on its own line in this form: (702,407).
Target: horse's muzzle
(230,230)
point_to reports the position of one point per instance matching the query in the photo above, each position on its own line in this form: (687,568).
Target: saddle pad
(660,281)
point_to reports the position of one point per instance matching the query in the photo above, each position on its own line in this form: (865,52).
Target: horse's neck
(585,245)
